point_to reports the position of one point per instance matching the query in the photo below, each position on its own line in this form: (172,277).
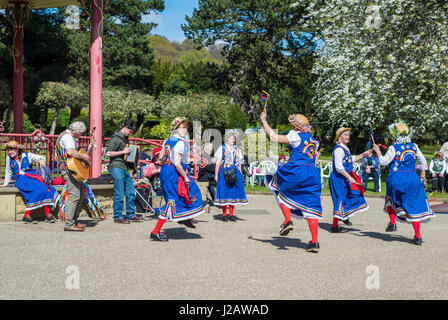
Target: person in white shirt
(229,159)
(405,196)
(183,199)
(345,185)
(35,191)
(67,146)
(437,171)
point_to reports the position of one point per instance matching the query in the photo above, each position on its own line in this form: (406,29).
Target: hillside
(176,52)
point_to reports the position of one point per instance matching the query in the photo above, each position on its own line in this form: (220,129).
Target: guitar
(80,169)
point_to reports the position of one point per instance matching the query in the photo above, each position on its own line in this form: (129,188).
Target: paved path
(246,259)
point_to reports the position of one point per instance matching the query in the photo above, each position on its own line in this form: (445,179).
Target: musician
(67,146)
(346,188)
(35,191)
(182,195)
(405,196)
(118,168)
(296,184)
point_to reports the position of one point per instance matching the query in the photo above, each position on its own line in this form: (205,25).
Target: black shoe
(225,218)
(391,227)
(50,219)
(285,228)
(29,220)
(159,236)
(188,223)
(417,241)
(338,230)
(313,247)
(347,222)
(232,218)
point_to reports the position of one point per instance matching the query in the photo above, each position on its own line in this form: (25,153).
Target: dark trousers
(438,183)
(376,179)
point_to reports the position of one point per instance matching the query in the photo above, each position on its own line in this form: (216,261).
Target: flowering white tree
(381,60)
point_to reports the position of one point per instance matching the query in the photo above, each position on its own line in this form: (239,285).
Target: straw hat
(299,121)
(339,132)
(177,122)
(14,145)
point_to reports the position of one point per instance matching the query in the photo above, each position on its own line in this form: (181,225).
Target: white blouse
(338,157)
(218,153)
(390,154)
(8,172)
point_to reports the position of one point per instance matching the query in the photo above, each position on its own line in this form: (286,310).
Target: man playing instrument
(67,146)
(118,168)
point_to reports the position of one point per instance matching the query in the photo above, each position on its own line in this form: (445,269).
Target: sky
(170,19)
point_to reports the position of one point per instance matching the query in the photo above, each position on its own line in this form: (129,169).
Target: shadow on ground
(282,243)
(181,234)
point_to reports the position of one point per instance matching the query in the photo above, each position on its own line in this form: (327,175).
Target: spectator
(444,150)
(152,170)
(370,167)
(281,160)
(207,174)
(437,171)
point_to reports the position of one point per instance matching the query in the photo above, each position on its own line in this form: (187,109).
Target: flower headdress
(300,122)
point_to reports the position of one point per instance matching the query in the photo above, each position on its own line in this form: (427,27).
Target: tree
(57,95)
(262,40)
(127,56)
(212,110)
(382,62)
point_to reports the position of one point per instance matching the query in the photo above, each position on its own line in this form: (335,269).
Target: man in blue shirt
(370,167)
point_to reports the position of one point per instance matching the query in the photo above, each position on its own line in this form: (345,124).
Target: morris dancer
(33,188)
(229,194)
(296,184)
(182,195)
(405,196)
(345,185)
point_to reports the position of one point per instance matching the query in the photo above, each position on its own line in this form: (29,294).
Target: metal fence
(39,143)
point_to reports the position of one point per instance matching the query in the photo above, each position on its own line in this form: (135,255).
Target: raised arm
(270,132)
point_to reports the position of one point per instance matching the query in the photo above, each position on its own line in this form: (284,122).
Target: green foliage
(127,56)
(184,52)
(59,95)
(160,131)
(28,126)
(212,110)
(262,41)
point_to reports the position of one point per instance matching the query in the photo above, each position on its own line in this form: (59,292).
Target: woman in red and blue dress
(35,191)
(405,195)
(228,156)
(297,184)
(345,185)
(183,199)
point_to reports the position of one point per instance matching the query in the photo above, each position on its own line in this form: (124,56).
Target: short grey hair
(78,127)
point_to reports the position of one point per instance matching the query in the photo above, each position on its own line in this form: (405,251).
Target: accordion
(133,157)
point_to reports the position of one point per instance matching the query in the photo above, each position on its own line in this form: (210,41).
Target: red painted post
(19,16)
(96,85)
